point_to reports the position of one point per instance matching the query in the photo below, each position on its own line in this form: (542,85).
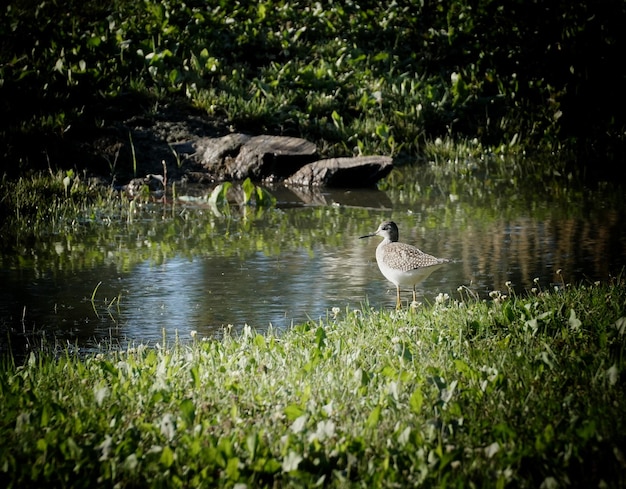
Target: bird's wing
(406,257)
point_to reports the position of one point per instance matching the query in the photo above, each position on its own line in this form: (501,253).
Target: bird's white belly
(406,278)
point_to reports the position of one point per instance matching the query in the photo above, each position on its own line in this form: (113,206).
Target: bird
(401,263)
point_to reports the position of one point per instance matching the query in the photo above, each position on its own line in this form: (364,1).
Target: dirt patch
(142,145)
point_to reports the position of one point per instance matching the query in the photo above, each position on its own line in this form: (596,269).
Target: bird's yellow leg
(414,303)
(398,303)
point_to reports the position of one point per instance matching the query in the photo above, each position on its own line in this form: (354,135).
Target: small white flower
(291,461)
(167,426)
(325,430)
(612,374)
(492,449)
(105,448)
(299,424)
(441,298)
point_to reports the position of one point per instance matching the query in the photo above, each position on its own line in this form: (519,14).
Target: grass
(511,392)
(355,78)
(37,199)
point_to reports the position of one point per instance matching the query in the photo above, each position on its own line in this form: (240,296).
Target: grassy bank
(514,392)
(364,77)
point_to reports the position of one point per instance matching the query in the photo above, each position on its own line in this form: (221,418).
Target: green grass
(36,200)
(373,77)
(512,392)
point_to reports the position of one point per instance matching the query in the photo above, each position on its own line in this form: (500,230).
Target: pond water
(155,272)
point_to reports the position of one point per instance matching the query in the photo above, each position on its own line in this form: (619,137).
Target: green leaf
(195,375)
(416,401)
(509,313)
(252,442)
(389,372)
(232,468)
(70,449)
(320,338)
(94,41)
(293,412)
(382,56)
(404,351)
(337,120)
(372,419)
(259,341)
(188,411)
(225,447)
(218,195)
(382,131)
(587,430)
(262,9)
(167,457)
(264,198)
(462,367)
(45,416)
(248,190)
(174,76)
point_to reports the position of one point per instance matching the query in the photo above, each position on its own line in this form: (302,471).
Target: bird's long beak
(367,236)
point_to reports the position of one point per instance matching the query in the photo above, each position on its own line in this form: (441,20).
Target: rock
(213,153)
(362,171)
(270,158)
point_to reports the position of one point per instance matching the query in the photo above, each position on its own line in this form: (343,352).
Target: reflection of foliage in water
(158,232)
(479,199)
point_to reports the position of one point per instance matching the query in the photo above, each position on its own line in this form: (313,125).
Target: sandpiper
(401,263)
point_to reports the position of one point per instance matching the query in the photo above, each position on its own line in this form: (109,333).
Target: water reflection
(194,271)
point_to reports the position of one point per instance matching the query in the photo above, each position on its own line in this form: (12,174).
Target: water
(185,270)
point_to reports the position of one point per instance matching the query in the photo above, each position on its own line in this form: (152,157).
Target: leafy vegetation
(34,202)
(510,392)
(356,77)
(513,391)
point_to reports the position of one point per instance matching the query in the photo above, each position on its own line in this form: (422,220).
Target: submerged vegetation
(519,392)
